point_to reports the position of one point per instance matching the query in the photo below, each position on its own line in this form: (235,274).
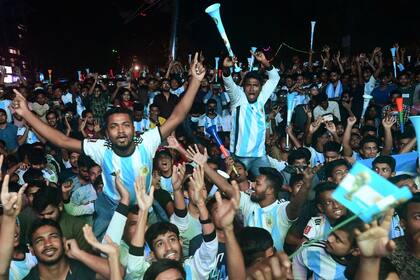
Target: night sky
(68,35)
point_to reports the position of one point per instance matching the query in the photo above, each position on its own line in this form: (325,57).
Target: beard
(50,262)
(257,197)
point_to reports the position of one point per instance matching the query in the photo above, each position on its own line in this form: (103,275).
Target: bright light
(137,68)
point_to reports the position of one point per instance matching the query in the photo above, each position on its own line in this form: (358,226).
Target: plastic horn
(87,71)
(366,101)
(189,59)
(79,75)
(49,74)
(214,12)
(409,58)
(216,66)
(400,108)
(291,100)
(393,53)
(250,63)
(253,49)
(213,132)
(312,32)
(416,123)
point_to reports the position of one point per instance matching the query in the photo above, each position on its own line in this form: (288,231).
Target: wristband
(208,221)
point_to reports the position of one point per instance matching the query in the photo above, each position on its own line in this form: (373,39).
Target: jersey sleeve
(94,149)
(270,85)
(233,90)
(151,140)
(300,271)
(204,260)
(310,231)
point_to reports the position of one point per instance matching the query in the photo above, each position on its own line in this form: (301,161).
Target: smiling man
(121,150)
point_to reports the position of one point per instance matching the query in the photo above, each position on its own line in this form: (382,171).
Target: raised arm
(54,136)
(12,205)
(233,90)
(347,150)
(183,107)
(387,123)
(293,208)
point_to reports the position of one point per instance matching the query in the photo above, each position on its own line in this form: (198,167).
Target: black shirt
(166,106)
(78,271)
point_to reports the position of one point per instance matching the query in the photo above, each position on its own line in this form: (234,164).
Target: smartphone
(328,118)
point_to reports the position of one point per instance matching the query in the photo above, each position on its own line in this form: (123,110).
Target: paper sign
(367,194)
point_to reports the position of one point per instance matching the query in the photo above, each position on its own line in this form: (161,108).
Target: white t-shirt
(139,162)
(19,269)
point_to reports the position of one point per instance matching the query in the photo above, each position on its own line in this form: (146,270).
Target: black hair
(38,223)
(395,91)
(37,157)
(212,101)
(298,154)
(159,266)
(329,167)
(368,128)
(3,111)
(137,106)
(296,177)
(402,209)
(320,98)
(323,187)
(369,139)
(85,161)
(385,159)
(164,152)
(402,177)
(332,146)
(133,209)
(46,196)
(32,175)
(154,105)
(158,229)
(52,112)
(253,75)
(117,110)
(254,241)
(350,227)
(85,112)
(274,178)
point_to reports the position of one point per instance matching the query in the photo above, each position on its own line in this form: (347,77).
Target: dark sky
(77,34)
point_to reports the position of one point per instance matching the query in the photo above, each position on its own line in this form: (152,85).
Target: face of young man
(260,189)
(384,170)
(369,150)
(170,274)
(47,245)
(330,207)
(412,223)
(338,174)
(167,246)
(252,89)
(120,131)
(338,244)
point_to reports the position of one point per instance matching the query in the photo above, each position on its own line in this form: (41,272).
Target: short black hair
(85,161)
(385,159)
(37,157)
(402,209)
(332,146)
(402,177)
(350,227)
(85,112)
(164,152)
(158,229)
(274,178)
(117,110)
(253,75)
(298,154)
(212,101)
(329,167)
(38,223)
(323,187)
(369,139)
(296,177)
(46,196)
(320,98)
(137,106)
(32,175)
(254,241)
(159,266)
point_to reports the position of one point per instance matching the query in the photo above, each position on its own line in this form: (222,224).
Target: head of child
(295,183)
(327,205)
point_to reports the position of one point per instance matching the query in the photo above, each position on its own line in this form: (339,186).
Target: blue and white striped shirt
(317,228)
(314,262)
(140,161)
(247,138)
(272,218)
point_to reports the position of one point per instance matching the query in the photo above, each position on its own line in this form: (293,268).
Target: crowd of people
(124,178)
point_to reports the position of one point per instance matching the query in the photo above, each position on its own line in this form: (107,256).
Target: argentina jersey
(272,218)
(317,228)
(142,126)
(139,162)
(247,137)
(205,121)
(313,262)
(5,104)
(166,184)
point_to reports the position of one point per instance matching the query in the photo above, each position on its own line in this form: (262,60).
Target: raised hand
(229,62)
(197,69)
(122,190)
(315,125)
(277,267)
(19,104)
(66,188)
(330,126)
(388,122)
(172,143)
(226,209)
(96,126)
(11,201)
(374,241)
(109,248)
(198,182)
(308,175)
(351,121)
(144,200)
(72,249)
(260,57)
(308,112)
(178,173)
(195,155)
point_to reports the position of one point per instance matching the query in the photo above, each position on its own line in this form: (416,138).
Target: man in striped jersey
(121,150)
(327,260)
(248,113)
